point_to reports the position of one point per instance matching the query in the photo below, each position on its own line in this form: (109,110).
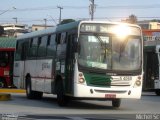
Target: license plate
(110,95)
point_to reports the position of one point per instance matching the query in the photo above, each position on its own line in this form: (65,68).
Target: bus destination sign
(95,28)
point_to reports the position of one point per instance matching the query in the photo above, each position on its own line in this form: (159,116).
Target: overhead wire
(152,6)
(86,7)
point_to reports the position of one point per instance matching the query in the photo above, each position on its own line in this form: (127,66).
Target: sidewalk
(10,90)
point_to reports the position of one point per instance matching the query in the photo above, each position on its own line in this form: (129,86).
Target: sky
(35,11)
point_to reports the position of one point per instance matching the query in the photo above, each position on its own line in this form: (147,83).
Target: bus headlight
(81,80)
(138,82)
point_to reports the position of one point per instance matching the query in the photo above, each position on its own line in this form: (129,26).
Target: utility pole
(60,8)
(92,7)
(45,23)
(15,18)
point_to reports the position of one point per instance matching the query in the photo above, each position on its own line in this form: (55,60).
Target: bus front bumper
(83,91)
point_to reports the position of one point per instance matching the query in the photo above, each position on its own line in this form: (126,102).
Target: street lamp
(13,8)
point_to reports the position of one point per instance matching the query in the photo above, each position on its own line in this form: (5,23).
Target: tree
(132,19)
(67,21)
(155,20)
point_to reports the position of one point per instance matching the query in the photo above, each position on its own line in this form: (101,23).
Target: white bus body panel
(41,74)
(157,84)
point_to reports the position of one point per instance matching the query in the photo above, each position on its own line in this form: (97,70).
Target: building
(40,27)
(14,30)
(151,35)
(149,25)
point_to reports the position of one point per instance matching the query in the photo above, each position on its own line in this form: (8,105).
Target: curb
(12,91)
(5,97)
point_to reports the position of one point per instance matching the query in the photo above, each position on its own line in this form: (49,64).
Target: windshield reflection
(109,52)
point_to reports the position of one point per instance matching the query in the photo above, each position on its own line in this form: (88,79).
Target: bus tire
(157,92)
(61,98)
(30,93)
(116,103)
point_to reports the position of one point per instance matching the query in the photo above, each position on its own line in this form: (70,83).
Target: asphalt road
(148,107)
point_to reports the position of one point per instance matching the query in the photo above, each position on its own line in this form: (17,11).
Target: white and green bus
(81,60)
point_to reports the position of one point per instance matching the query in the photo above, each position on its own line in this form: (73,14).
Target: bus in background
(7,48)
(151,80)
(81,60)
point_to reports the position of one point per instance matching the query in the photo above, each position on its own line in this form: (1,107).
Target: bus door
(151,70)
(23,57)
(69,63)
(19,64)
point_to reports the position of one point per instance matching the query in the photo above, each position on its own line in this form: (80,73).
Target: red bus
(7,48)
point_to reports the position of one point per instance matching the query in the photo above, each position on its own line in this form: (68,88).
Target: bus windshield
(109,52)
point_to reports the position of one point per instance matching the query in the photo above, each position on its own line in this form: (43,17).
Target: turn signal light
(81,79)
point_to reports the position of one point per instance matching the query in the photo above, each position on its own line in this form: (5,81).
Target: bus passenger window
(51,46)
(58,38)
(42,46)
(33,48)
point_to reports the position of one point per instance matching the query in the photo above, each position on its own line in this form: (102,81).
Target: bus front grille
(100,81)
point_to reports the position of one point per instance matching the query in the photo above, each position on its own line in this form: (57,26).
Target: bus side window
(61,38)
(24,52)
(61,45)
(58,38)
(33,48)
(51,45)
(42,46)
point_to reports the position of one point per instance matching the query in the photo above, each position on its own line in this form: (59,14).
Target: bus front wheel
(116,103)
(61,98)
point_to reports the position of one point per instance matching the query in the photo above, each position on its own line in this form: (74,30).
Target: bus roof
(64,27)
(36,33)
(51,30)
(7,43)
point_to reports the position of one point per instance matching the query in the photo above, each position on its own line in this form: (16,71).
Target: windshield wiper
(102,44)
